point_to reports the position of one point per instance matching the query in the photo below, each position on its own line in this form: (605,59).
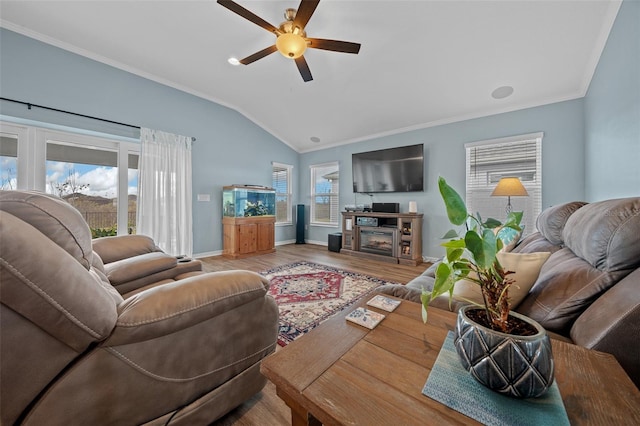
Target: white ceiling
(422,62)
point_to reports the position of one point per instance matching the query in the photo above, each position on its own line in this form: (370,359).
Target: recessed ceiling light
(314,139)
(502,92)
(233,61)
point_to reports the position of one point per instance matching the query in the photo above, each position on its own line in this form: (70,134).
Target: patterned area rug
(309,293)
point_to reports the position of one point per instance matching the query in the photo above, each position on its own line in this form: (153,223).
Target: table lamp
(510,187)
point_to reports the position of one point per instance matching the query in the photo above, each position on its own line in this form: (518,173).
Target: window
(83,169)
(8,161)
(325,180)
(282,184)
(488,161)
(13,146)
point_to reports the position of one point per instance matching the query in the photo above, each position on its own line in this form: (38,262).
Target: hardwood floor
(266,408)
(291,253)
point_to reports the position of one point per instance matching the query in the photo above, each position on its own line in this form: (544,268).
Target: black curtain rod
(30,105)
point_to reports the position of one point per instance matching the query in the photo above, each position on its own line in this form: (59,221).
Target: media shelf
(387,237)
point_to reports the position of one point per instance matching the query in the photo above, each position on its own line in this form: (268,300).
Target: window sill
(324,224)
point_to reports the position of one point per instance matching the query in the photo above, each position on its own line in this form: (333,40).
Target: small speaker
(300,222)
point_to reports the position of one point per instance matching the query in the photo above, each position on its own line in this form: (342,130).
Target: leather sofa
(168,344)
(588,290)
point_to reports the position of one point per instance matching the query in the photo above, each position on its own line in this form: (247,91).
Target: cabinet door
(229,239)
(247,238)
(346,240)
(266,236)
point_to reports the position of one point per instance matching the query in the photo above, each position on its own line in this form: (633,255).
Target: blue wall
(612,112)
(590,151)
(562,162)
(229,148)
(591,147)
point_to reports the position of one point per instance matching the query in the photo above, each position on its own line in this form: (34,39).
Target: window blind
(488,161)
(325,180)
(281,178)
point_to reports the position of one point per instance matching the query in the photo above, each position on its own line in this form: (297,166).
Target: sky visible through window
(101,181)
(8,172)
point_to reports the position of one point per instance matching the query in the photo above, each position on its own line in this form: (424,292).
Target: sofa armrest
(431,270)
(112,249)
(131,268)
(169,308)
(612,324)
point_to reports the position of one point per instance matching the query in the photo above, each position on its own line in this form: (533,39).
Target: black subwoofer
(335,242)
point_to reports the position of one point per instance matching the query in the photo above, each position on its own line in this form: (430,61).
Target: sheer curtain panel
(164,191)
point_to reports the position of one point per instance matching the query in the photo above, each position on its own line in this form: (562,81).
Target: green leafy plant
(103,232)
(471,255)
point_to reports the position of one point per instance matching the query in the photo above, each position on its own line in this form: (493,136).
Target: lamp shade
(509,186)
(291,45)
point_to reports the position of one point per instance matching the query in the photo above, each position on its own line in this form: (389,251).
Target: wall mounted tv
(398,169)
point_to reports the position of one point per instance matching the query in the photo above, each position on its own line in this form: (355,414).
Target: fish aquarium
(248,201)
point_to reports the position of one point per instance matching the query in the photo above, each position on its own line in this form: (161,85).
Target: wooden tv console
(395,238)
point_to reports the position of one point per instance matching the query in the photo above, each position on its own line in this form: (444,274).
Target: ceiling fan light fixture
(291,45)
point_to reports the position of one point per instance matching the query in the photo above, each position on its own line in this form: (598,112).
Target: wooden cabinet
(402,230)
(248,236)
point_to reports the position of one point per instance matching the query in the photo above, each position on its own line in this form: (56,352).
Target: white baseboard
(279,243)
(207,254)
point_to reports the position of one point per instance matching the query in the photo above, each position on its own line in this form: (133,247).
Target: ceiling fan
(292,40)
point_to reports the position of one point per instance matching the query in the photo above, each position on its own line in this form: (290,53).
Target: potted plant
(503,350)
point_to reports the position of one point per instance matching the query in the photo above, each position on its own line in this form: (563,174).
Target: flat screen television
(398,169)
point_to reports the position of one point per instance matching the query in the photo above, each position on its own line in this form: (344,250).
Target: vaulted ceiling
(421,63)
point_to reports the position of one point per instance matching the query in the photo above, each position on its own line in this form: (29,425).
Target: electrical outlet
(204,197)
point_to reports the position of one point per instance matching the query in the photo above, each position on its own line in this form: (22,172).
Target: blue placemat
(450,384)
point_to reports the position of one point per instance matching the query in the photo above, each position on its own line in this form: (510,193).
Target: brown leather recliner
(74,351)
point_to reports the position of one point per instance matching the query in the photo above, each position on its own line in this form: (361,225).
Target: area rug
(309,293)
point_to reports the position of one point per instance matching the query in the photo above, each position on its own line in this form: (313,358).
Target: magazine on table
(365,317)
(385,303)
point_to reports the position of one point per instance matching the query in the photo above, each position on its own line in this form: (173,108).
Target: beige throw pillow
(526,267)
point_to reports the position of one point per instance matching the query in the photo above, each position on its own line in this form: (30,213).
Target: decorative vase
(517,366)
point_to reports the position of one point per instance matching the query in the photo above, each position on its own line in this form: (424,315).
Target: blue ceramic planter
(517,366)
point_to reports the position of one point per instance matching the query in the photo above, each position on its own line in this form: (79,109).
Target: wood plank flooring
(266,408)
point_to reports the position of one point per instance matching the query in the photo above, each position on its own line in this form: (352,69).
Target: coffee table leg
(303,419)
(299,415)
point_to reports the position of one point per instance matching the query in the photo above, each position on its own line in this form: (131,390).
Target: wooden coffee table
(344,374)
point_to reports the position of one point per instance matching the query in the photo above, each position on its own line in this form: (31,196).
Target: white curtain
(164,191)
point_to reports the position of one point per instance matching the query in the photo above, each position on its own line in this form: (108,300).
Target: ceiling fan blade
(305,72)
(334,45)
(235,7)
(258,55)
(305,10)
